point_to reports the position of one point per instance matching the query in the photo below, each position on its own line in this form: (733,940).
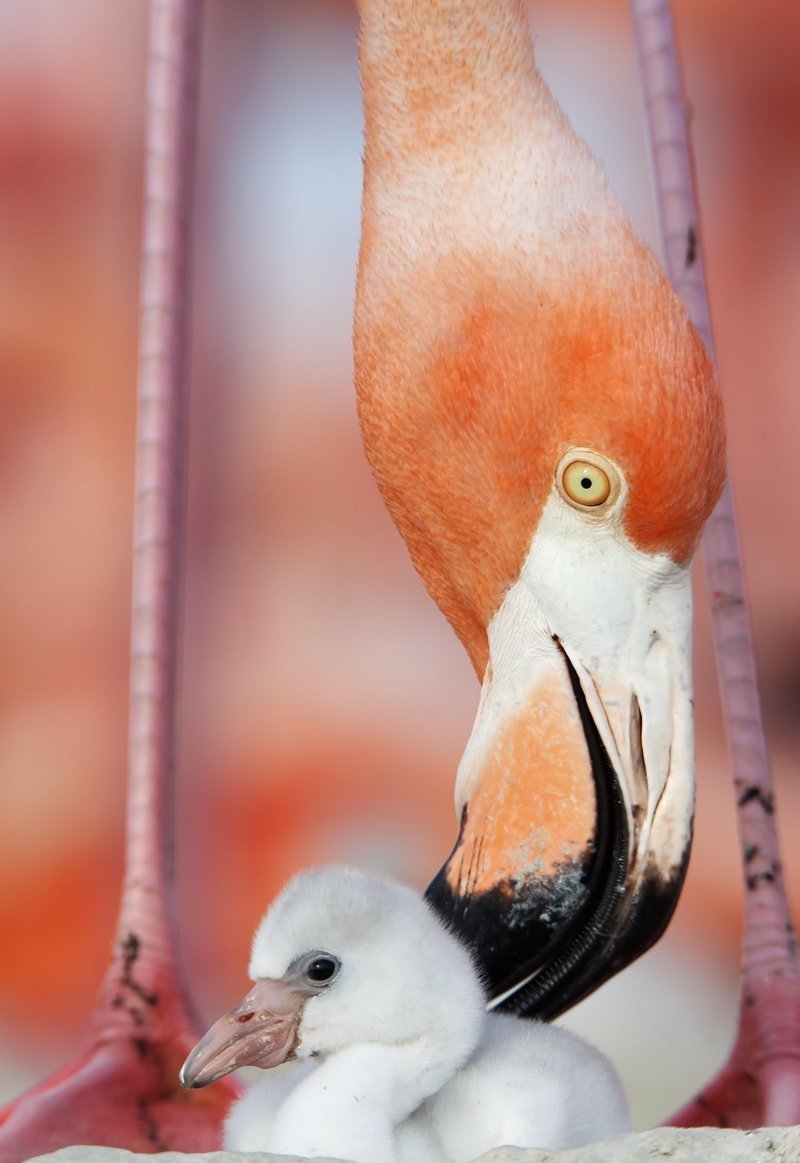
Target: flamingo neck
(443,73)
(351,1106)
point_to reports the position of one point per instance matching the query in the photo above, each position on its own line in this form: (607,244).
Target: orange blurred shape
(68,904)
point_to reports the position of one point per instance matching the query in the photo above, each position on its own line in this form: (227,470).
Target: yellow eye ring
(588,481)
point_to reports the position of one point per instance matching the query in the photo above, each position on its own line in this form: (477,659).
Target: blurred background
(325,702)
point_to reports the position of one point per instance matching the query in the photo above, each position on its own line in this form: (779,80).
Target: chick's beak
(260,1031)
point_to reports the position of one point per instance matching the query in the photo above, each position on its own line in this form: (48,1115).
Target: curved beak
(260,1031)
(576,790)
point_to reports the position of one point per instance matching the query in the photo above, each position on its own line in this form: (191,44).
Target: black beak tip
(541,967)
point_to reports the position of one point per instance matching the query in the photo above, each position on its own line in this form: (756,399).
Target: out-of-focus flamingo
(760,1083)
(544,425)
(122,1088)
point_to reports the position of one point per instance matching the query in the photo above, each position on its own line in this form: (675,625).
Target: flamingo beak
(576,790)
(260,1031)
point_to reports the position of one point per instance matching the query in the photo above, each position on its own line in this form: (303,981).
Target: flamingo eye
(586,480)
(585,484)
(322,968)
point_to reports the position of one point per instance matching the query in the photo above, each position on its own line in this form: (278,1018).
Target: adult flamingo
(544,425)
(545,428)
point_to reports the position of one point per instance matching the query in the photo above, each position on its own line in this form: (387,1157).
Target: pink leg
(122,1089)
(760,1085)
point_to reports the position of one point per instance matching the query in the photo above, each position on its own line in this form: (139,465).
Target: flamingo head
(343,958)
(545,427)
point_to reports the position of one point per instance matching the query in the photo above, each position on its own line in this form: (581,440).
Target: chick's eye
(322,968)
(587,480)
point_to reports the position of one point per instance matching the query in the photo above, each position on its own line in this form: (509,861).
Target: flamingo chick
(546,430)
(382,1011)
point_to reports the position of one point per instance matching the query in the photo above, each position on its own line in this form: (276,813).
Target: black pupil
(586,483)
(321,969)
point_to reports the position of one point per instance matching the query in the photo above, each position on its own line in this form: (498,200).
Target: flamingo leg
(122,1088)
(760,1084)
